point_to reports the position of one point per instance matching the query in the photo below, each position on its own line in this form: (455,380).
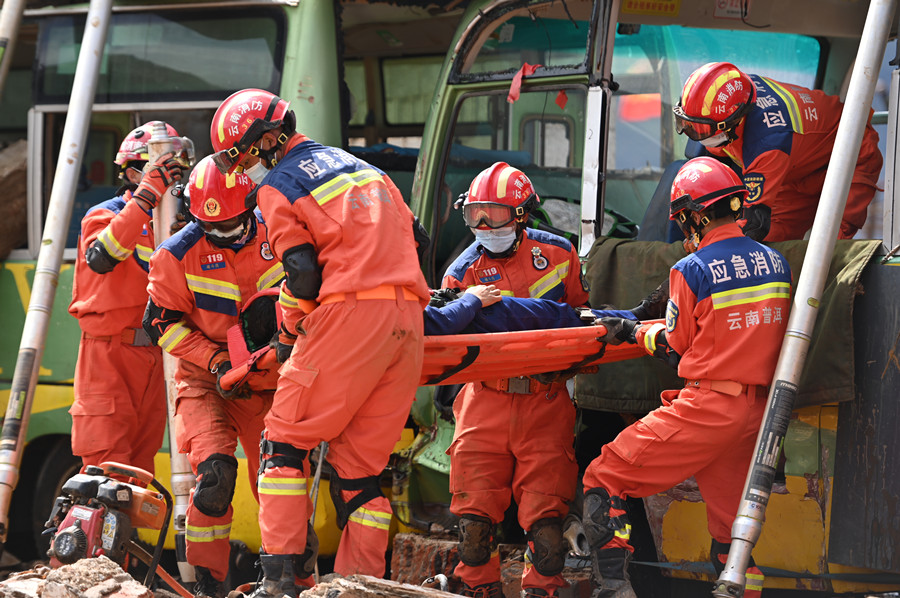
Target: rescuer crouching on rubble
(119,413)
(513,437)
(198,281)
(725,322)
(348,243)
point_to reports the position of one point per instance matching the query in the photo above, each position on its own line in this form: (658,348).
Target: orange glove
(166,170)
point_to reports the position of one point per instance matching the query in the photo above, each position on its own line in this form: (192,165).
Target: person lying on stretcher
(482,308)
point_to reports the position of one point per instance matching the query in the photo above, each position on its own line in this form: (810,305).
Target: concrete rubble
(88,578)
(420,566)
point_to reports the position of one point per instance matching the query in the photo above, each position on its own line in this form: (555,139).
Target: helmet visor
(695,127)
(226,160)
(491,215)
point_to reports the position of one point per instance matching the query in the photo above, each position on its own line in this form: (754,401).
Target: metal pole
(183,478)
(323,450)
(10,20)
(751,513)
(46,274)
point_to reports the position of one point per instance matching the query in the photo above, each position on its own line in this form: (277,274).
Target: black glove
(618,330)
(653,306)
(759,219)
(238,392)
(283,343)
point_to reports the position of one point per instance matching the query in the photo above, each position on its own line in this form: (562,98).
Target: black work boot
(610,568)
(485,590)
(278,577)
(653,306)
(206,585)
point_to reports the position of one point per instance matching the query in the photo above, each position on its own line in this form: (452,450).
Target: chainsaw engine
(96,514)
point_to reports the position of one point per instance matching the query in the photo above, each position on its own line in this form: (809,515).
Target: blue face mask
(496,240)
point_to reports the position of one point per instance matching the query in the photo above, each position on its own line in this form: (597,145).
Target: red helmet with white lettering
(497,196)
(714,99)
(700,183)
(134,147)
(216,197)
(241,121)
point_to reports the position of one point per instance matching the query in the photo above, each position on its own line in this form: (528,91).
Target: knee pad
(599,526)
(369,489)
(476,540)
(547,548)
(215,484)
(305,564)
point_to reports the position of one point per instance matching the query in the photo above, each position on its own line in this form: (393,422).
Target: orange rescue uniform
(514,437)
(726,318)
(783,147)
(119,413)
(207,285)
(352,376)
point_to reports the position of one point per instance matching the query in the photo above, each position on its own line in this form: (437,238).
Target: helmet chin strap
(692,230)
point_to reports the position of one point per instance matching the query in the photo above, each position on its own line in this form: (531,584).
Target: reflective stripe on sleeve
(170,339)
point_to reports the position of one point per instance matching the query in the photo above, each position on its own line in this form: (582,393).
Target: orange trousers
(512,446)
(350,383)
(794,206)
(700,433)
(209,424)
(119,413)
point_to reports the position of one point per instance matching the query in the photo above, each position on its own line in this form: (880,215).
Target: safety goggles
(493,215)
(682,205)
(228,159)
(699,128)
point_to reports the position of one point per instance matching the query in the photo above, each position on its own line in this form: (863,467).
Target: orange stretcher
(460,358)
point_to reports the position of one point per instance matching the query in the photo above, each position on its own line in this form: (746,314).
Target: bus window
(408,88)
(536,134)
(553,35)
(166,55)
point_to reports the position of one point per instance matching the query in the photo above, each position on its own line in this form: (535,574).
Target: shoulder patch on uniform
(754,182)
(671,316)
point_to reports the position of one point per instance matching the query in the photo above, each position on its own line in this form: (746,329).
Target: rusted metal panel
(865,518)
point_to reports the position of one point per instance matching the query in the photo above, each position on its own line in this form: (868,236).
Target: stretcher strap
(468,359)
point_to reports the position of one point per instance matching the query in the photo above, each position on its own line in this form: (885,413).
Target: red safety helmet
(241,120)
(700,183)
(134,147)
(497,196)
(216,197)
(715,98)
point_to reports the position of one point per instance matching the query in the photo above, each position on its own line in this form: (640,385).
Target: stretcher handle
(237,375)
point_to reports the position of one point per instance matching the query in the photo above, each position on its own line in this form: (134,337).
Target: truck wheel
(50,468)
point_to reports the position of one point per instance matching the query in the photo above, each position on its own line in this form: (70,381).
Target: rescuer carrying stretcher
(199,280)
(725,321)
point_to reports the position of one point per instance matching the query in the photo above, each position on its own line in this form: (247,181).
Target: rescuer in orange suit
(514,437)
(348,244)
(199,279)
(781,137)
(119,413)
(725,322)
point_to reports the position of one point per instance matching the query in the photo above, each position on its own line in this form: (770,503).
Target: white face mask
(235,236)
(717,140)
(257,172)
(496,240)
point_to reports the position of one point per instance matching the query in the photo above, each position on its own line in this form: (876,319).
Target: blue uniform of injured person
(466,315)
